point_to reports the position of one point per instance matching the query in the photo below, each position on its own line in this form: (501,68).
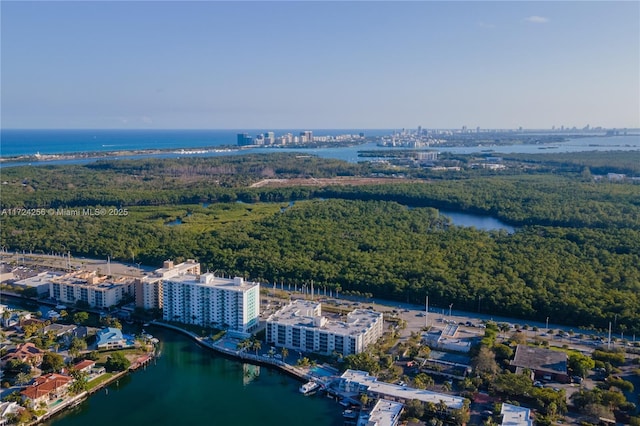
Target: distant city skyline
(320,65)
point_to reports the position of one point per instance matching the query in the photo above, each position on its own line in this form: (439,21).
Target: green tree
(80,317)
(117,362)
(256,346)
(23,378)
(76,346)
(80,381)
(52,363)
(580,364)
(415,409)
(362,361)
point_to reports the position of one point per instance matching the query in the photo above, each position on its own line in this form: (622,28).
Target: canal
(189,384)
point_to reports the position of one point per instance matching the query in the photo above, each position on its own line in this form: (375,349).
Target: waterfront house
(24,352)
(46,388)
(7,411)
(111,338)
(84,366)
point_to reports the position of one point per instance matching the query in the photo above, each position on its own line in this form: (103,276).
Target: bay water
(191,385)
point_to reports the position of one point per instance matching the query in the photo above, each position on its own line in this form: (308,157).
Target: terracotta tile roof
(23,352)
(46,384)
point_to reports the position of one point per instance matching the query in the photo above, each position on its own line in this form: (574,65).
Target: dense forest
(575,256)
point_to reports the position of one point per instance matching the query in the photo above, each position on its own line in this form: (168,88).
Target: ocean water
(29,142)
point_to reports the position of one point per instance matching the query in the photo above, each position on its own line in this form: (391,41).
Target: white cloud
(534,19)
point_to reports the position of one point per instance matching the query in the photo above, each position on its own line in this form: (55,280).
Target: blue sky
(319,64)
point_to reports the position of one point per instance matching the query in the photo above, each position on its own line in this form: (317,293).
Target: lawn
(99,380)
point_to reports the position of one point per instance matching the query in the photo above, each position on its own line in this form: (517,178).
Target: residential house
(46,388)
(111,338)
(8,410)
(85,366)
(24,352)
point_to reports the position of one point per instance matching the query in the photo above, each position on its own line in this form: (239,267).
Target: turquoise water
(322,371)
(29,142)
(190,385)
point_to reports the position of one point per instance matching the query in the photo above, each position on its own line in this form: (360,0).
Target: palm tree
(284,352)
(256,346)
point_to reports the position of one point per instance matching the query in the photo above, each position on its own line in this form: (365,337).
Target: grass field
(99,380)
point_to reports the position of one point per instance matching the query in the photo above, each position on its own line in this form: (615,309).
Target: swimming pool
(323,371)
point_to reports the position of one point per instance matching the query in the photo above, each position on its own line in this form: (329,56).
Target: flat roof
(176,269)
(301,313)
(384,413)
(512,415)
(540,359)
(43,278)
(404,392)
(211,281)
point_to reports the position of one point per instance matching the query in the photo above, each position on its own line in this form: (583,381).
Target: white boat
(309,387)
(349,414)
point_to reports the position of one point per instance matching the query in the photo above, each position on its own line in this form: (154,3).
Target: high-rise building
(211,301)
(306,136)
(269,138)
(300,326)
(244,139)
(149,287)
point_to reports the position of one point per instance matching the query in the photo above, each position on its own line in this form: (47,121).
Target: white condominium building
(98,291)
(300,326)
(211,301)
(149,288)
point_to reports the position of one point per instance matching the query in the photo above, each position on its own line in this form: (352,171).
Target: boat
(309,387)
(349,414)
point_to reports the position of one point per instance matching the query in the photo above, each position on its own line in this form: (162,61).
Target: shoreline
(288,369)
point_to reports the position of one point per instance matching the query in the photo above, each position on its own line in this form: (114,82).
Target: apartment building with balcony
(300,326)
(210,301)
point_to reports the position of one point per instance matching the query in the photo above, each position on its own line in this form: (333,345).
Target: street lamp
(450,309)
(547,325)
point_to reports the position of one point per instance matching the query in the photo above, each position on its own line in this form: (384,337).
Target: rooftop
(309,314)
(92,279)
(169,270)
(540,359)
(211,281)
(44,385)
(404,392)
(43,278)
(109,335)
(513,415)
(384,413)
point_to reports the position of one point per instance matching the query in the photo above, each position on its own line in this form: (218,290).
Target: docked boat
(309,387)
(349,414)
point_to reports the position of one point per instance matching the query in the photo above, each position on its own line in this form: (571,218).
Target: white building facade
(96,290)
(149,288)
(211,301)
(300,326)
